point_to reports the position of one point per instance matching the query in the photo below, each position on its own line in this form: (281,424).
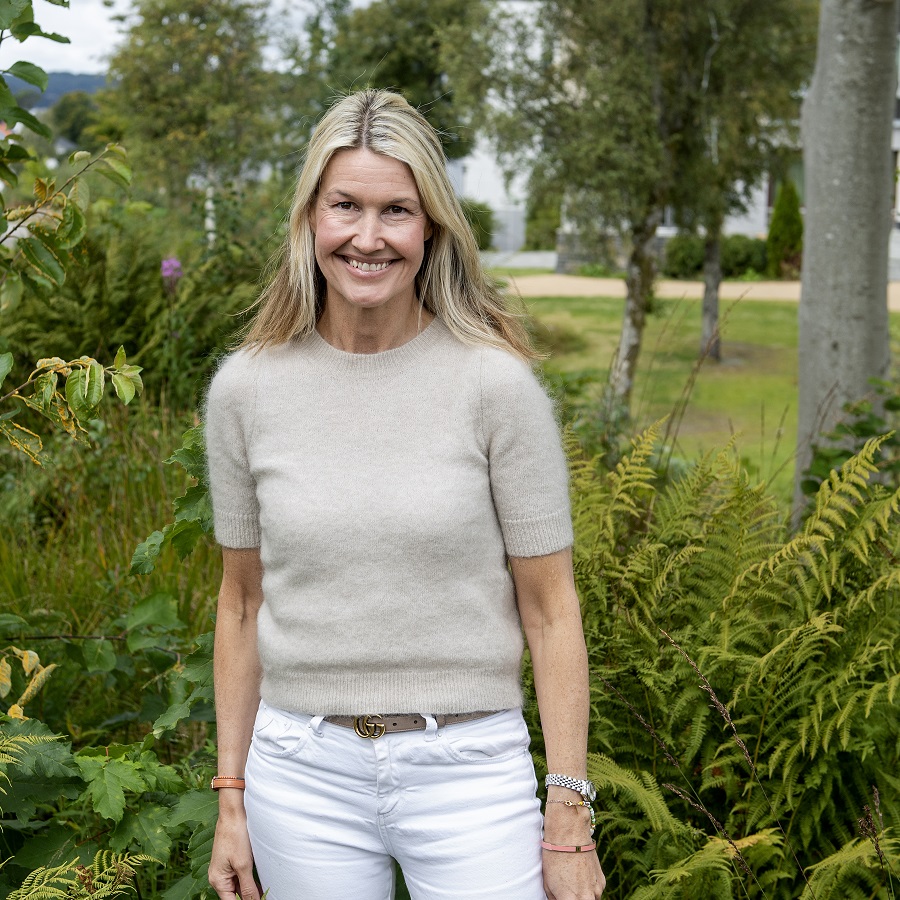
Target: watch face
(591,791)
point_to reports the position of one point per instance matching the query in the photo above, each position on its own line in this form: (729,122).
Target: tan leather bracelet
(227,781)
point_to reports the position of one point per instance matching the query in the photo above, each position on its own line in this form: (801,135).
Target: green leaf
(10,292)
(84,390)
(45,388)
(158,609)
(143,560)
(73,227)
(13,114)
(22,439)
(7,175)
(10,10)
(185,536)
(31,73)
(6,364)
(99,656)
(191,456)
(43,259)
(107,782)
(143,831)
(10,623)
(29,29)
(186,888)
(195,807)
(120,358)
(124,387)
(116,170)
(78,156)
(195,505)
(171,717)
(80,195)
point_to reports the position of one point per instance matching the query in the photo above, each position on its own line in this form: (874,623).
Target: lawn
(750,396)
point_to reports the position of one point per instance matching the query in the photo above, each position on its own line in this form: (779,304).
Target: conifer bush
(784,244)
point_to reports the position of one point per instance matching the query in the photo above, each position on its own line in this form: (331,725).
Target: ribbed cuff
(239,532)
(538,537)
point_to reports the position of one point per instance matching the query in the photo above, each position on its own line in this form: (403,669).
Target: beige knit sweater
(385,492)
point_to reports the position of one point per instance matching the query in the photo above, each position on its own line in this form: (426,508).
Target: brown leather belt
(374,726)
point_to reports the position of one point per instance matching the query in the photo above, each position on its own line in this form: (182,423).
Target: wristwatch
(585,788)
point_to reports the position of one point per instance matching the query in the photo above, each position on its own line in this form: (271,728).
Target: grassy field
(750,396)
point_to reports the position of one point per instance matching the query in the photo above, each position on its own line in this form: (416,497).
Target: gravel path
(579,286)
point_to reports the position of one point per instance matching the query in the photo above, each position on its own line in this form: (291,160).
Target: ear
(428,229)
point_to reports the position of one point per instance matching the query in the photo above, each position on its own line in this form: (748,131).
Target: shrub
(684,256)
(542,218)
(481,220)
(784,245)
(742,255)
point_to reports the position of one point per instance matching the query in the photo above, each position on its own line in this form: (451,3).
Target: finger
(248,888)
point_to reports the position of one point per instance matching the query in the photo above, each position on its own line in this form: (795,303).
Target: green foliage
(784,244)
(397,44)
(542,219)
(110,875)
(481,220)
(796,638)
(189,94)
(861,421)
(742,256)
(684,256)
(74,116)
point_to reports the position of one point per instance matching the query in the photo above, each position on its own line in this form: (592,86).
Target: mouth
(374,266)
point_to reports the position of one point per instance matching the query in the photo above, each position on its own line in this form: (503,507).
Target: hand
(231,865)
(570,876)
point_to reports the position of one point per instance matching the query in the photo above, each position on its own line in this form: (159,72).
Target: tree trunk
(639,277)
(846,129)
(710,343)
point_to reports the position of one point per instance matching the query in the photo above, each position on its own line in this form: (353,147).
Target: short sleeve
(528,471)
(227,428)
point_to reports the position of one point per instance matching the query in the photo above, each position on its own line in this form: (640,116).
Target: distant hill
(60,83)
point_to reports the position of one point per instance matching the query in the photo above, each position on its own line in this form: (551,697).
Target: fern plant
(109,875)
(796,643)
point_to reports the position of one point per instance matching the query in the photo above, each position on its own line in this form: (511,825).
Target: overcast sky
(87,24)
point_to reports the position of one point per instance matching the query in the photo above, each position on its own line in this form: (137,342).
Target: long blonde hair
(451,283)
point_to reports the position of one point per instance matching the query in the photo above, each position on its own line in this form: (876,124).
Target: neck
(370,331)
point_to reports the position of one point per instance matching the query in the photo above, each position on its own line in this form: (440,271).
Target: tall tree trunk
(639,277)
(846,129)
(710,343)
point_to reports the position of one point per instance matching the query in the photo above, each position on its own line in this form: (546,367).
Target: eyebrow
(396,201)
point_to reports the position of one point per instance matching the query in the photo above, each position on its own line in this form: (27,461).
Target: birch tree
(846,128)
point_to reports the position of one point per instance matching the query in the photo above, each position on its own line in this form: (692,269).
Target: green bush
(784,244)
(684,256)
(742,255)
(542,218)
(481,220)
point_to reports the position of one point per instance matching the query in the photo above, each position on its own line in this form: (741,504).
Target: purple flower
(171,268)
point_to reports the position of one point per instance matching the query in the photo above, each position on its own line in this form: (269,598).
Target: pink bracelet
(585,848)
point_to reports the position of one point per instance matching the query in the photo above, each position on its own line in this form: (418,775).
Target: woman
(391,499)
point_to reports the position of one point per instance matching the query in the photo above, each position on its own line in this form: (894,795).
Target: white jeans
(455,806)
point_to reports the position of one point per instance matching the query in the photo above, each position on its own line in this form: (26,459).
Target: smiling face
(370,232)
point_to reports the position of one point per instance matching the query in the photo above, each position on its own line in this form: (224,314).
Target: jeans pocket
(279,735)
(493,739)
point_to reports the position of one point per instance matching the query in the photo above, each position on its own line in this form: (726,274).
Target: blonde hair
(451,283)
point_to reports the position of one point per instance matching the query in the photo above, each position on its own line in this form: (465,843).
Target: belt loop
(430,727)
(316,724)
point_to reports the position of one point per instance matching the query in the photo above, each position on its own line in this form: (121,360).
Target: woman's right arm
(237,677)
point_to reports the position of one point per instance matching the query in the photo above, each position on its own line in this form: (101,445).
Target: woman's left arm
(551,617)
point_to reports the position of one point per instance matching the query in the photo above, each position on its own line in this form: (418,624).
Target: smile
(368,267)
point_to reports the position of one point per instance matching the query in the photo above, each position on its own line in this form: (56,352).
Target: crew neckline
(320,351)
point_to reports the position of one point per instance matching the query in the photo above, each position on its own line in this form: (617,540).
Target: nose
(368,237)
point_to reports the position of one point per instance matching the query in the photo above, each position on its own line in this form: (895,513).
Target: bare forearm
(237,676)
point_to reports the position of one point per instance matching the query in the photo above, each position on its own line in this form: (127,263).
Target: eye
(396,210)
(344,204)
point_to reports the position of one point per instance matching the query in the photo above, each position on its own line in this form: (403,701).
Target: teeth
(368,267)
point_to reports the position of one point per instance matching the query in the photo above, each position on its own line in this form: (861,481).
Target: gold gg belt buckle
(368,727)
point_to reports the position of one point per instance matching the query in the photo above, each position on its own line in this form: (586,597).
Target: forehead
(361,169)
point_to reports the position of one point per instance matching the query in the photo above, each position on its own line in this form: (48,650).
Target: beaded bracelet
(583,803)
